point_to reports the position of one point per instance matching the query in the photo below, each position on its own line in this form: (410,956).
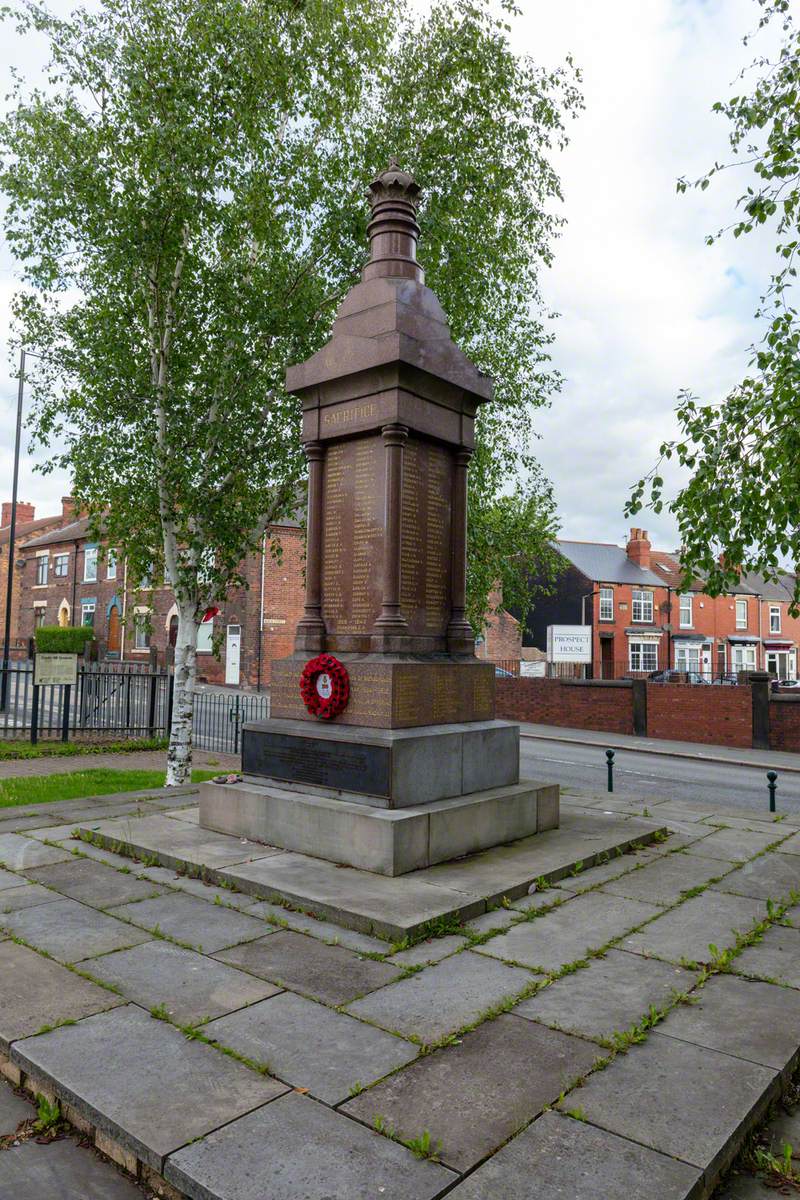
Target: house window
(42,565)
(743,658)
(87,612)
(606,604)
(111,565)
(643,655)
(141,631)
(205,636)
(686,612)
(90,564)
(39,616)
(741,614)
(774,618)
(687,658)
(61,565)
(642,606)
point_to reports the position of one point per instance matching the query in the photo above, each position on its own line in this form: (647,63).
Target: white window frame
(775,612)
(606,604)
(141,619)
(61,558)
(42,561)
(90,557)
(39,613)
(205,637)
(111,565)
(741,653)
(741,621)
(642,601)
(687,657)
(686,610)
(88,606)
(638,652)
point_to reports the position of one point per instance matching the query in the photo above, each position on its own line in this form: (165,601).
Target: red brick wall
(599,706)
(784,723)
(689,713)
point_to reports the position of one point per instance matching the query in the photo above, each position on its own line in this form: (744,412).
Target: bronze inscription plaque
(425,537)
(352,535)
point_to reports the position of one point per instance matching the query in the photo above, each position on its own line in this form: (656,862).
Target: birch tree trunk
(179,753)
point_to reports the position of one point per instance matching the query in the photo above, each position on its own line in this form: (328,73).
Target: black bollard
(610,765)
(772,777)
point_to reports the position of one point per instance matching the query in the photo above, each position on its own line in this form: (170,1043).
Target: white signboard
(569,643)
(531,669)
(54,669)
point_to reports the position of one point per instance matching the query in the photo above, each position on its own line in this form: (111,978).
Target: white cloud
(646,307)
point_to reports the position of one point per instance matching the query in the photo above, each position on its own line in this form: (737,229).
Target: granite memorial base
(388,841)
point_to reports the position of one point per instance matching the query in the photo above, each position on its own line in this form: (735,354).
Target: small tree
(186,201)
(741,508)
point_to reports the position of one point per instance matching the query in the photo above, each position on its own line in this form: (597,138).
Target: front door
(607,658)
(233,643)
(113,630)
(706,665)
(782,663)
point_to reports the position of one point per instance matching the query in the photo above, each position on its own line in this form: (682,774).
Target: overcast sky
(646,308)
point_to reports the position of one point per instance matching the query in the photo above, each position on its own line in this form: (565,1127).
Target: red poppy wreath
(325,686)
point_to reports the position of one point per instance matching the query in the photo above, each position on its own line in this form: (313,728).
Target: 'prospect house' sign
(569,643)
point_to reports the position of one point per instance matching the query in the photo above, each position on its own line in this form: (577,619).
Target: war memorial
(382,750)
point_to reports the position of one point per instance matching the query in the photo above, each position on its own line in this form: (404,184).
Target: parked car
(729,680)
(780,684)
(505,674)
(673,676)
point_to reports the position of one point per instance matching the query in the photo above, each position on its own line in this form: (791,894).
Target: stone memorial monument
(382,750)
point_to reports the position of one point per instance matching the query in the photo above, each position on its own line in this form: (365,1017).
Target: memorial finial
(393,231)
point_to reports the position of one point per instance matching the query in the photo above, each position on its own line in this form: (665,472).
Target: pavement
(580,766)
(617,1031)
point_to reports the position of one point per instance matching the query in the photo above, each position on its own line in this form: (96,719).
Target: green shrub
(58,639)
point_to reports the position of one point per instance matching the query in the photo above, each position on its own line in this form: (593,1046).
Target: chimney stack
(25,512)
(638,548)
(67,506)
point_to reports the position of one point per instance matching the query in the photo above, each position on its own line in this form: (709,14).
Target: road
(583,768)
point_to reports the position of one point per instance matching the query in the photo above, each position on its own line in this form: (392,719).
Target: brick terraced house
(28,526)
(643,621)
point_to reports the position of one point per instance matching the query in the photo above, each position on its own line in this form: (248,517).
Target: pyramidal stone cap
(390,321)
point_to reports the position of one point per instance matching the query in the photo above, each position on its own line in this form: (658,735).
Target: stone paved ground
(613,1035)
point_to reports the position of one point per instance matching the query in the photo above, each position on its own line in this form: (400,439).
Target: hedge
(60,639)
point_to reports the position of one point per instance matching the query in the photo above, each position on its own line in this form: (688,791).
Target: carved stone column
(391,622)
(460,636)
(310,634)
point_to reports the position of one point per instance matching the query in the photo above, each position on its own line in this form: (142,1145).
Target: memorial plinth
(400,706)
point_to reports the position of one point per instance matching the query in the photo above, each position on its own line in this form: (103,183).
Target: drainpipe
(261,611)
(74,583)
(670,623)
(760,651)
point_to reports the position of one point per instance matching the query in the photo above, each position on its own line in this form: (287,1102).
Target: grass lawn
(95,781)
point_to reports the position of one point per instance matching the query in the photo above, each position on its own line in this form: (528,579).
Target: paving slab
(70,931)
(432,950)
(206,927)
(618,864)
(140,1081)
(773,876)
(495,918)
(35,991)
(93,883)
(55,833)
(443,998)
(685,933)
(756,1021)
(326,931)
(296,1147)
(18,852)
(568,1159)
(736,845)
(13,1109)
(776,956)
(328,973)
(745,1187)
(175,843)
(190,986)
(472,1097)
(9,880)
(308,1045)
(568,933)
(687,1101)
(612,994)
(25,897)
(663,880)
(205,889)
(62,1170)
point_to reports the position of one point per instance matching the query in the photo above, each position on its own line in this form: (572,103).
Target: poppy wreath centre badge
(325,686)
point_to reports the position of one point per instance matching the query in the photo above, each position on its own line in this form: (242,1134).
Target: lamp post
(584,598)
(12,529)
